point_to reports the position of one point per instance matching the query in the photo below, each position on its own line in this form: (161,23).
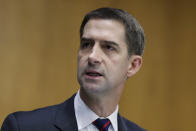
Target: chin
(92,88)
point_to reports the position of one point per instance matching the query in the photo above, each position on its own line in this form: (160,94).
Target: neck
(102,105)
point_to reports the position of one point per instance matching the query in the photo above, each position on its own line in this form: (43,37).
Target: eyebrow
(104,41)
(111,43)
(86,39)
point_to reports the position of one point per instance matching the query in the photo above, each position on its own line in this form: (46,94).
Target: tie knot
(102,124)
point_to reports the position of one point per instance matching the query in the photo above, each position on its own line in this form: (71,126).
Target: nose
(95,57)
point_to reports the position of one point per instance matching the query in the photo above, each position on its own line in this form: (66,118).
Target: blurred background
(39,40)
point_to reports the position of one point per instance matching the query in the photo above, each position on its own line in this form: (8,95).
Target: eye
(108,47)
(86,44)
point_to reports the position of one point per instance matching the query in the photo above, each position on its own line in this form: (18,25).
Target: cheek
(79,56)
(81,62)
(118,67)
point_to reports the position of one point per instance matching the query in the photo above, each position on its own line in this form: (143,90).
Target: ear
(135,64)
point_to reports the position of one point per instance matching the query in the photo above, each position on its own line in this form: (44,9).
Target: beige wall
(38,50)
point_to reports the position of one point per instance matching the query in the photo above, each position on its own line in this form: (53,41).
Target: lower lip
(92,77)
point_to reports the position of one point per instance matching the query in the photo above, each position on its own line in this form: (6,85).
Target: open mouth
(93,74)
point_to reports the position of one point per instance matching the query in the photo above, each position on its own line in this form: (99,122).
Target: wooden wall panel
(38,50)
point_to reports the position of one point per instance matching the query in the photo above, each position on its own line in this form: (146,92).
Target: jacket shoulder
(41,114)
(35,118)
(30,120)
(48,118)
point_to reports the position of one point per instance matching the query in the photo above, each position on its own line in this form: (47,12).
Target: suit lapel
(65,116)
(121,124)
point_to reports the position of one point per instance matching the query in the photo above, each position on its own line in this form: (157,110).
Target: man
(111,45)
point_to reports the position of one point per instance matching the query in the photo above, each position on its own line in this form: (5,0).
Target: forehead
(105,29)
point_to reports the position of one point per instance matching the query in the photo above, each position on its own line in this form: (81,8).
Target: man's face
(102,58)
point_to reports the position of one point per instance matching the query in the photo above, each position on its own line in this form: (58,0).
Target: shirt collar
(85,116)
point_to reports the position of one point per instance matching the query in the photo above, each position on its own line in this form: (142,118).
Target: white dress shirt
(85,116)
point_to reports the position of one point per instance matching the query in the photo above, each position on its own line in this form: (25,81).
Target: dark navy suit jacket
(54,118)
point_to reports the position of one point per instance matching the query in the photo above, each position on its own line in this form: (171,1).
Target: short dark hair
(134,33)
